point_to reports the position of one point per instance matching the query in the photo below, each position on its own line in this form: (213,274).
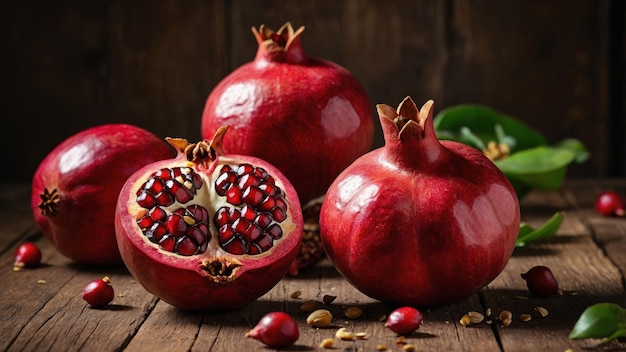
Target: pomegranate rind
(438,219)
(309,117)
(88,170)
(184,281)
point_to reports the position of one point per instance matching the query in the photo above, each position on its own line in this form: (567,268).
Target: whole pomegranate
(75,188)
(308,117)
(208,230)
(419,221)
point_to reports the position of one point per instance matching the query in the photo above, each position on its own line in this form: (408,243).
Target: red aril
(208,230)
(404,320)
(308,117)
(610,203)
(98,293)
(419,221)
(541,281)
(275,330)
(27,255)
(75,188)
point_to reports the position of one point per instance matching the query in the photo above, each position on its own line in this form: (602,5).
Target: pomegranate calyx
(49,204)
(220,270)
(280,46)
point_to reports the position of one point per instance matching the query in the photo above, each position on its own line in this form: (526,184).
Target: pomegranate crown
(409,121)
(203,152)
(281,45)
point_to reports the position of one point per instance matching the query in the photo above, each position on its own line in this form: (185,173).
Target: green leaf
(481,120)
(549,228)
(543,168)
(601,320)
(575,146)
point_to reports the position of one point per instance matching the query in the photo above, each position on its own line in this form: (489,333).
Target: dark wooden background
(69,65)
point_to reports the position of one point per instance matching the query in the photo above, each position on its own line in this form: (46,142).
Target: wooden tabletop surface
(41,309)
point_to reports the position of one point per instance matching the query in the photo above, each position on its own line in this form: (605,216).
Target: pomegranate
(98,293)
(275,330)
(27,255)
(309,117)
(208,230)
(419,221)
(76,186)
(609,204)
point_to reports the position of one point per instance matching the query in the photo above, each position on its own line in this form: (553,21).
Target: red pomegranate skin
(420,222)
(88,170)
(183,281)
(307,116)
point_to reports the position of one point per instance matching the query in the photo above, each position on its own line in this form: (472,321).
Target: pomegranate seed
(264,242)
(404,320)
(275,330)
(610,204)
(247,180)
(27,255)
(146,200)
(267,204)
(99,293)
(253,196)
(244,169)
(263,220)
(176,225)
(156,232)
(168,243)
(248,213)
(157,214)
(251,233)
(186,247)
(541,282)
(225,234)
(154,185)
(236,246)
(269,189)
(233,196)
(164,199)
(275,231)
(278,214)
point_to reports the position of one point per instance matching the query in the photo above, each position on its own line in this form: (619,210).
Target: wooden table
(41,309)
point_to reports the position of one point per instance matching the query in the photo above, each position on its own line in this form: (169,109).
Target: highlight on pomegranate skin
(208,230)
(438,218)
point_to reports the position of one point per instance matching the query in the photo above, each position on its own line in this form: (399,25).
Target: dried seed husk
(401,340)
(506,318)
(525,317)
(344,334)
(328,342)
(475,317)
(320,318)
(353,312)
(465,320)
(541,312)
(381,347)
(361,336)
(409,348)
(309,306)
(295,294)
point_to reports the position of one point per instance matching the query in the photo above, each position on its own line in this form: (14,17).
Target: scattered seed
(525,317)
(488,312)
(121,294)
(506,317)
(401,340)
(381,347)
(409,348)
(328,299)
(465,320)
(489,321)
(320,318)
(295,294)
(573,293)
(475,317)
(328,342)
(521,297)
(42,282)
(344,334)
(309,306)
(541,312)
(353,312)
(361,336)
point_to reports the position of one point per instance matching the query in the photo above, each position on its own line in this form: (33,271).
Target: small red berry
(610,204)
(27,255)
(98,293)
(275,330)
(404,320)
(541,281)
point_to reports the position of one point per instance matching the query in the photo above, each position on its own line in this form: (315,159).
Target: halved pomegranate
(206,230)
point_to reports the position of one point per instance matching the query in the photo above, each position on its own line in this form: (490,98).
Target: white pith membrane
(218,263)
